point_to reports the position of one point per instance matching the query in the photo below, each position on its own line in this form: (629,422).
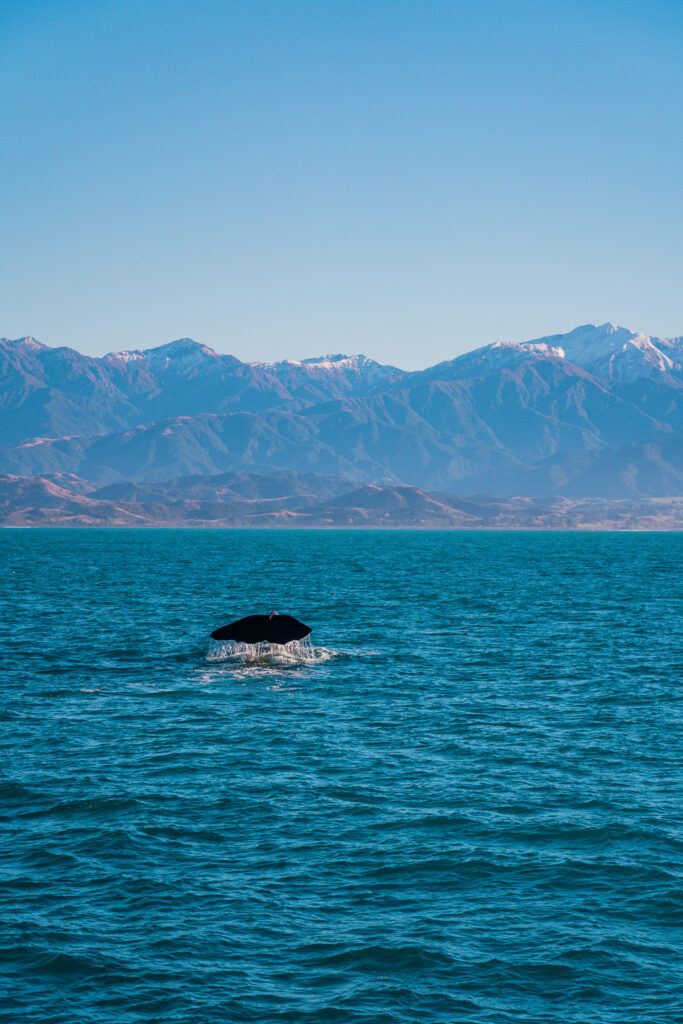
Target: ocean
(463,802)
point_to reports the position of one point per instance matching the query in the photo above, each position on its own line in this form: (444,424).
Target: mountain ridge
(505,415)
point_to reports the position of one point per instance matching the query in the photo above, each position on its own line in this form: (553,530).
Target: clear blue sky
(405,179)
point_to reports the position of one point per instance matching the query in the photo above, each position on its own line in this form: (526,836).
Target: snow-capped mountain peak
(608,350)
(183,354)
(339,362)
(489,358)
(342,369)
(31,343)
(28,344)
(538,348)
(327,362)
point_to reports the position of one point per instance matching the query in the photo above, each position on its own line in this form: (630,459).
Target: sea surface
(463,802)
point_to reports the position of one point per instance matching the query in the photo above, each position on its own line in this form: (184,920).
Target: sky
(283,178)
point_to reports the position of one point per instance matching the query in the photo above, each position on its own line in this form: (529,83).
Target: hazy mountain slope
(434,435)
(661,398)
(56,392)
(205,444)
(651,469)
(533,407)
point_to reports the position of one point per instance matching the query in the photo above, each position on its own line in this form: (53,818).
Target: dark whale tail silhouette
(256,629)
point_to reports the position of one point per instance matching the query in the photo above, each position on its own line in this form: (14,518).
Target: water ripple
(460,802)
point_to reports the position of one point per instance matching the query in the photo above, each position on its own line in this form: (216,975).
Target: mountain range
(596,413)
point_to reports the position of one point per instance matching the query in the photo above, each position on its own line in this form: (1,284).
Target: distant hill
(597,412)
(286,500)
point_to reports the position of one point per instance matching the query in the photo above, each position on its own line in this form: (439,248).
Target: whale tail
(258,629)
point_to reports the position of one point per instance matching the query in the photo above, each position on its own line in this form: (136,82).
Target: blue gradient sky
(276,179)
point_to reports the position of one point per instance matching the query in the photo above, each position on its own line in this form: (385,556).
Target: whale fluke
(256,629)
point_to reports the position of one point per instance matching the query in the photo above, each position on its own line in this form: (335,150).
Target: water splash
(297,652)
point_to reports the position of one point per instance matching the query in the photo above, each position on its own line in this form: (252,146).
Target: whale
(258,629)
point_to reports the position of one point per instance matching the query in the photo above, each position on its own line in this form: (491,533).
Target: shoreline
(427,528)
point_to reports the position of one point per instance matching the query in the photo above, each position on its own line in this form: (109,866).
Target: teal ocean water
(462,803)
